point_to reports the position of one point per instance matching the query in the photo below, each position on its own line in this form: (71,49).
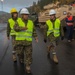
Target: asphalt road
(41,65)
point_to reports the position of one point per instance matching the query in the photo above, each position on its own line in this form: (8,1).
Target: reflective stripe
(27,31)
(28,37)
(57,32)
(69,24)
(30,32)
(24,36)
(56,29)
(50,30)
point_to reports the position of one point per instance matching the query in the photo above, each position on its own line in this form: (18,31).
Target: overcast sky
(8,4)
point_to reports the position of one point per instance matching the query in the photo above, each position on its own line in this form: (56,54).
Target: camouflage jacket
(17,28)
(51,36)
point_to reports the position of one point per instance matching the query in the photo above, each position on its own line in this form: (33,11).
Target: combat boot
(49,49)
(28,69)
(55,59)
(14,58)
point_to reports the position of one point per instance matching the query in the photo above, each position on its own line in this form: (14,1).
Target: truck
(61,11)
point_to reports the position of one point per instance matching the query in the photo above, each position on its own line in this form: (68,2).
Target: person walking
(10,30)
(53,29)
(25,30)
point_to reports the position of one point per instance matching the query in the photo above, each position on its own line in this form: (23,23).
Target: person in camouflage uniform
(25,46)
(10,31)
(52,35)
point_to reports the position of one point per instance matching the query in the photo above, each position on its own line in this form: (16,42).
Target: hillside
(4,16)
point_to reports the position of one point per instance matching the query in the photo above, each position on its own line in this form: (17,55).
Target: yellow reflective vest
(53,29)
(25,34)
(12,23)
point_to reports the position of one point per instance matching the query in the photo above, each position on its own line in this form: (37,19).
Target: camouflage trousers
(25,53)
(13,44)
(52,44)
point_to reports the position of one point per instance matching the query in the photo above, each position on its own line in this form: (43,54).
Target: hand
(24,28)
(45,40)
(8,38)
(36,39)
(62,38)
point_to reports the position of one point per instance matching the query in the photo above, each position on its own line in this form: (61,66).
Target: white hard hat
(52,12)
(24,11)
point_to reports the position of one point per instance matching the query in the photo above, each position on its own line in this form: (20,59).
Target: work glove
(62,37)
(45,40)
